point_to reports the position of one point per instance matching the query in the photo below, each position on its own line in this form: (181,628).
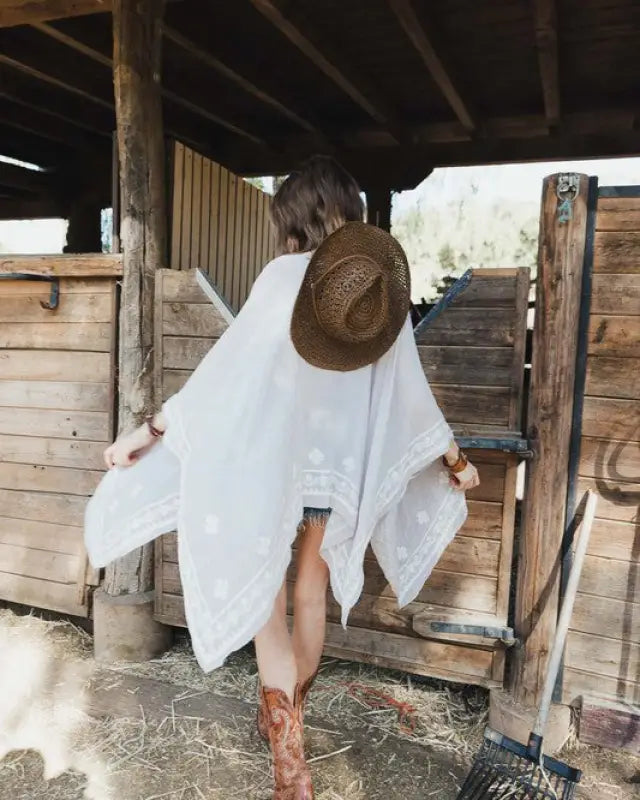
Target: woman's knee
(310,589)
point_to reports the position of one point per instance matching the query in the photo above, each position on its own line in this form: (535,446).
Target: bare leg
(276,660)
(310,601)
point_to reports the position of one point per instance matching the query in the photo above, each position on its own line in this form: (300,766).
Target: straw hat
(354,299)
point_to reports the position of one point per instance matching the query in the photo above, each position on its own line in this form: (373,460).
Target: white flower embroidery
(212,525)
(316,456)
(349,464)
(443,478)
(262,545)
(423,517)
(402,553)
(221,588)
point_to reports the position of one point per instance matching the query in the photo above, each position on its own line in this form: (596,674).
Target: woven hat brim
(311,341)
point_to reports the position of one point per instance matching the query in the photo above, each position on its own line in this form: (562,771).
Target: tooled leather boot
(263,728)
(284,724)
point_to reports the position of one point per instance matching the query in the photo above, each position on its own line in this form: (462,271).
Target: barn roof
(391,87)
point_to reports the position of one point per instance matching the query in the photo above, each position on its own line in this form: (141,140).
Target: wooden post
(136,64)
(560,264)
(379,208)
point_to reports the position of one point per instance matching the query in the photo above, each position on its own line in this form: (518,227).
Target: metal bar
(619,191)
(578,402)
(505,635)
(54,294)
(519,446)
(447,298)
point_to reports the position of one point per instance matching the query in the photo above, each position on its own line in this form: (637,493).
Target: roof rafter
(417,33)
(546,33)
(26,12)
(173,97)
(334,68)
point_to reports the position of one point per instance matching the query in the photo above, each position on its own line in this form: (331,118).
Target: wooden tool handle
(565,613)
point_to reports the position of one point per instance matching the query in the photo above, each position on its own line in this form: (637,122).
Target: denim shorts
(316,516)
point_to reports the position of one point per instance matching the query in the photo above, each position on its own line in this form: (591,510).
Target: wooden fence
(219,224)
(57,375)
(603,652)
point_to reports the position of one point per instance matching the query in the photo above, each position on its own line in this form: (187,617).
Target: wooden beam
(414,28)
(363,95)
(32,149)
(48,126)
(558,292)
(26,12)
(209,60)
(546,36)
(94,265)
(137,62)
(173,97)
(20,178)
(611,725)
(18,208)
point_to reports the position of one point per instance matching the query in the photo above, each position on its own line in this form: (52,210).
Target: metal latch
(54,294)
(504,635)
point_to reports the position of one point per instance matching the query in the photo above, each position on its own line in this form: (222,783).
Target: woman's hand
(467,479)
(128,449)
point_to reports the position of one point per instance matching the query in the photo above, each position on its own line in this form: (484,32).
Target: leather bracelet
(155,432)
(459,466)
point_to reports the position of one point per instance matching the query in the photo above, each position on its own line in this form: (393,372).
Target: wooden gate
(474,357)
(57,379)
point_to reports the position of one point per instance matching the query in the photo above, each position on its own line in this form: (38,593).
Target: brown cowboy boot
(284,723)
(263,728)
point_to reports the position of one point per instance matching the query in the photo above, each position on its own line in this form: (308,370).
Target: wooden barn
(159,111)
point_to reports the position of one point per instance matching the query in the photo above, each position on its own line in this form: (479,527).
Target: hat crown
(350,299)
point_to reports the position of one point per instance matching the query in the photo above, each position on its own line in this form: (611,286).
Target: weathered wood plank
(604,616)
(181,287)
(603,656)
(232,223)
(51,452)
(489,289)
(185,353)
(615,540)
(579,684)
(614,336)
(613,726)
(173,380)
(214,225)
(616,294)
(176,215)
(472,366)
(66,396)
(618,214)
(39,478)
(617,501)
(49,566)
(478,405)
(50,536)
(205,215)
(72,308)
(606,577)
(196,211)
(68,286)
(607,418)
(91,425)
(85,336)
(617,252)
(19,12)
(42,594)
(610,460)
(471,327)
(41,507)
(451,662)
(192,319)
(91,265)
(187,201)
(222,232)
(491,489)
(18,365)
(613,377)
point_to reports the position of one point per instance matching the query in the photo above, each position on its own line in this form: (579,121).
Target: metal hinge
(504,635)
(54,294)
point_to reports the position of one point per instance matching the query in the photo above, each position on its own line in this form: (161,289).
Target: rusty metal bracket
(504,635)
(54,294)
(567,191)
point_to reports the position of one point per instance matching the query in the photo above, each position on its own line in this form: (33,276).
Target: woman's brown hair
(312,203)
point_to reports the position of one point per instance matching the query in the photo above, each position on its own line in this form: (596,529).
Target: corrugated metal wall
(219,224)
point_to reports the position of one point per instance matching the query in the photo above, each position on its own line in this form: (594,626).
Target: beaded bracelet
(459,466)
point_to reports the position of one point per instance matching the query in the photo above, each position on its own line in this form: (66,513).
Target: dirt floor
(70,729)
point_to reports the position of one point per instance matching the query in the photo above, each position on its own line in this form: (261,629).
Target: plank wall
(219,224)
(57,374)
(471,582)
(603,651)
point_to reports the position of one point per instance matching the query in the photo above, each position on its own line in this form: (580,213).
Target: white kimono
(257,434)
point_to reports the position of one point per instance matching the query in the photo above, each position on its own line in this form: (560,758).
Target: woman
(314,405)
